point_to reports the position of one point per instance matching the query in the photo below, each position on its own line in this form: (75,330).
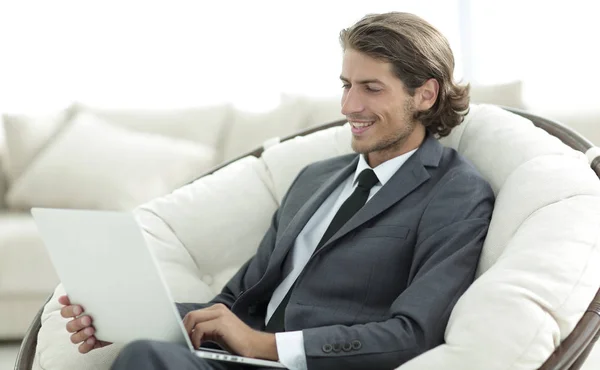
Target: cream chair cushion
(539,270)
(540,265)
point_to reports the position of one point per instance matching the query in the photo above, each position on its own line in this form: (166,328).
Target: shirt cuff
(290,349)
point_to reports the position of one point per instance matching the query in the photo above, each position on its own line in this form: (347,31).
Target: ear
(426,95)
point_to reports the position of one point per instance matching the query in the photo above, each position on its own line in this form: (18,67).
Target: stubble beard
(392,141)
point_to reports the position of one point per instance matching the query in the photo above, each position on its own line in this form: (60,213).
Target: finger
(205,331)
(71,311)
(64,300)
(192,318)
(196,338)
(82,335)
(76,325)
(88,345)
(218,306)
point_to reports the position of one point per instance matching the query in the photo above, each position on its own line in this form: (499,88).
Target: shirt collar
(384,171)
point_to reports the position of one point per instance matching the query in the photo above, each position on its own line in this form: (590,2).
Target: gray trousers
(152,355)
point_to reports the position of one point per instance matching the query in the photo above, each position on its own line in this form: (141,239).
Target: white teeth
(361,124)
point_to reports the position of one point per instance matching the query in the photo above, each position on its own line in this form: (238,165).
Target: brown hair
(417,52)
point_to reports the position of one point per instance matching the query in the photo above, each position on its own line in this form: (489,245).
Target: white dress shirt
(290,345)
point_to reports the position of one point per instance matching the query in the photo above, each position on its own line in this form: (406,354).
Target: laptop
(104,263)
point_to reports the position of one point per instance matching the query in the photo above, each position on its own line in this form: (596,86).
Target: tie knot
(367,179)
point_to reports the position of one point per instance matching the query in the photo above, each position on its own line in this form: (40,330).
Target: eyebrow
(362,82)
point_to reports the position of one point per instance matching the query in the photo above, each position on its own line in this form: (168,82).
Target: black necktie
(366,180)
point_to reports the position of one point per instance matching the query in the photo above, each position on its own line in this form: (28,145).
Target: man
(368,253)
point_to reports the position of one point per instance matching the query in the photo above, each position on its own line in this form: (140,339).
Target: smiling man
(369,252)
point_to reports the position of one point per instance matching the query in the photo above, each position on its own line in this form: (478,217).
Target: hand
(81,326)
(218,324)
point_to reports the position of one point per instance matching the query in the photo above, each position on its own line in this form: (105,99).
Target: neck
(411,142)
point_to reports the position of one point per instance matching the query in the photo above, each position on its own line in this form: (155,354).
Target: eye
(345,86)
(372,89)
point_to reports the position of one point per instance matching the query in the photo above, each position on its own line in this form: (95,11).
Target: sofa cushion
(204,125)
(27,134)
(319,110)
(586,121)
(508,94)
(16,313)
(249,129)
(96,165)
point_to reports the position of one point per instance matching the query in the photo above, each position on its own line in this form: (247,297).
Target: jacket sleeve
(251,272)
(449,240)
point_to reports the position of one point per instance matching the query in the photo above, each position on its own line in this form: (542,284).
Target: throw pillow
(95,165)
(249,130)
(508,94)
(26,135)
(205,125)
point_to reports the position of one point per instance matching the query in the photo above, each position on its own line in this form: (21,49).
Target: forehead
(357,65)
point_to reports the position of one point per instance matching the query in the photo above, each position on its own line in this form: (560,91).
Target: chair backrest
(573,349)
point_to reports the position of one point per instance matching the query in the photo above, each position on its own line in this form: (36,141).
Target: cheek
(383,108)
(384,115)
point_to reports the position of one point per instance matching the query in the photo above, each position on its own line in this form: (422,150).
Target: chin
(360,148)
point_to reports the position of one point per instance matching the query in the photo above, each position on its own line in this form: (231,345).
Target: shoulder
(327,166)
(460,192)
(456,171)
(312,176)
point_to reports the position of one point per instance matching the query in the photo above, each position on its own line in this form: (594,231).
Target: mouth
(359,127)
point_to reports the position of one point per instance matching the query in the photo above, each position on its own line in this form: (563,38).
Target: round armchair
(534,305)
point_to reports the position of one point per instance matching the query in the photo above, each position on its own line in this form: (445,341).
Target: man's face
(379,109)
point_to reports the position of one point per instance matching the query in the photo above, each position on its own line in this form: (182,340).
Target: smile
(361,124)
(360,127)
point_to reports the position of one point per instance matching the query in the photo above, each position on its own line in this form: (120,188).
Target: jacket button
(337,347)
(356,344)
(327,348)
(347,347)
(252,310)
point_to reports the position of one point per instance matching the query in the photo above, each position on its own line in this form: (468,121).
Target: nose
(351,103)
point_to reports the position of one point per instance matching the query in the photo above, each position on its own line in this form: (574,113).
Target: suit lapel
(309,208)
(410,176)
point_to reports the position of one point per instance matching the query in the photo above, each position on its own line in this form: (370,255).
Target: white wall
(134,53)
(174,53)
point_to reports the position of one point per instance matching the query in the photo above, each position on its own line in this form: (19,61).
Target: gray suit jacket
(381,290)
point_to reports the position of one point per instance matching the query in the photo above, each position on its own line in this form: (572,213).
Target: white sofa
(84,157)
(539,270)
